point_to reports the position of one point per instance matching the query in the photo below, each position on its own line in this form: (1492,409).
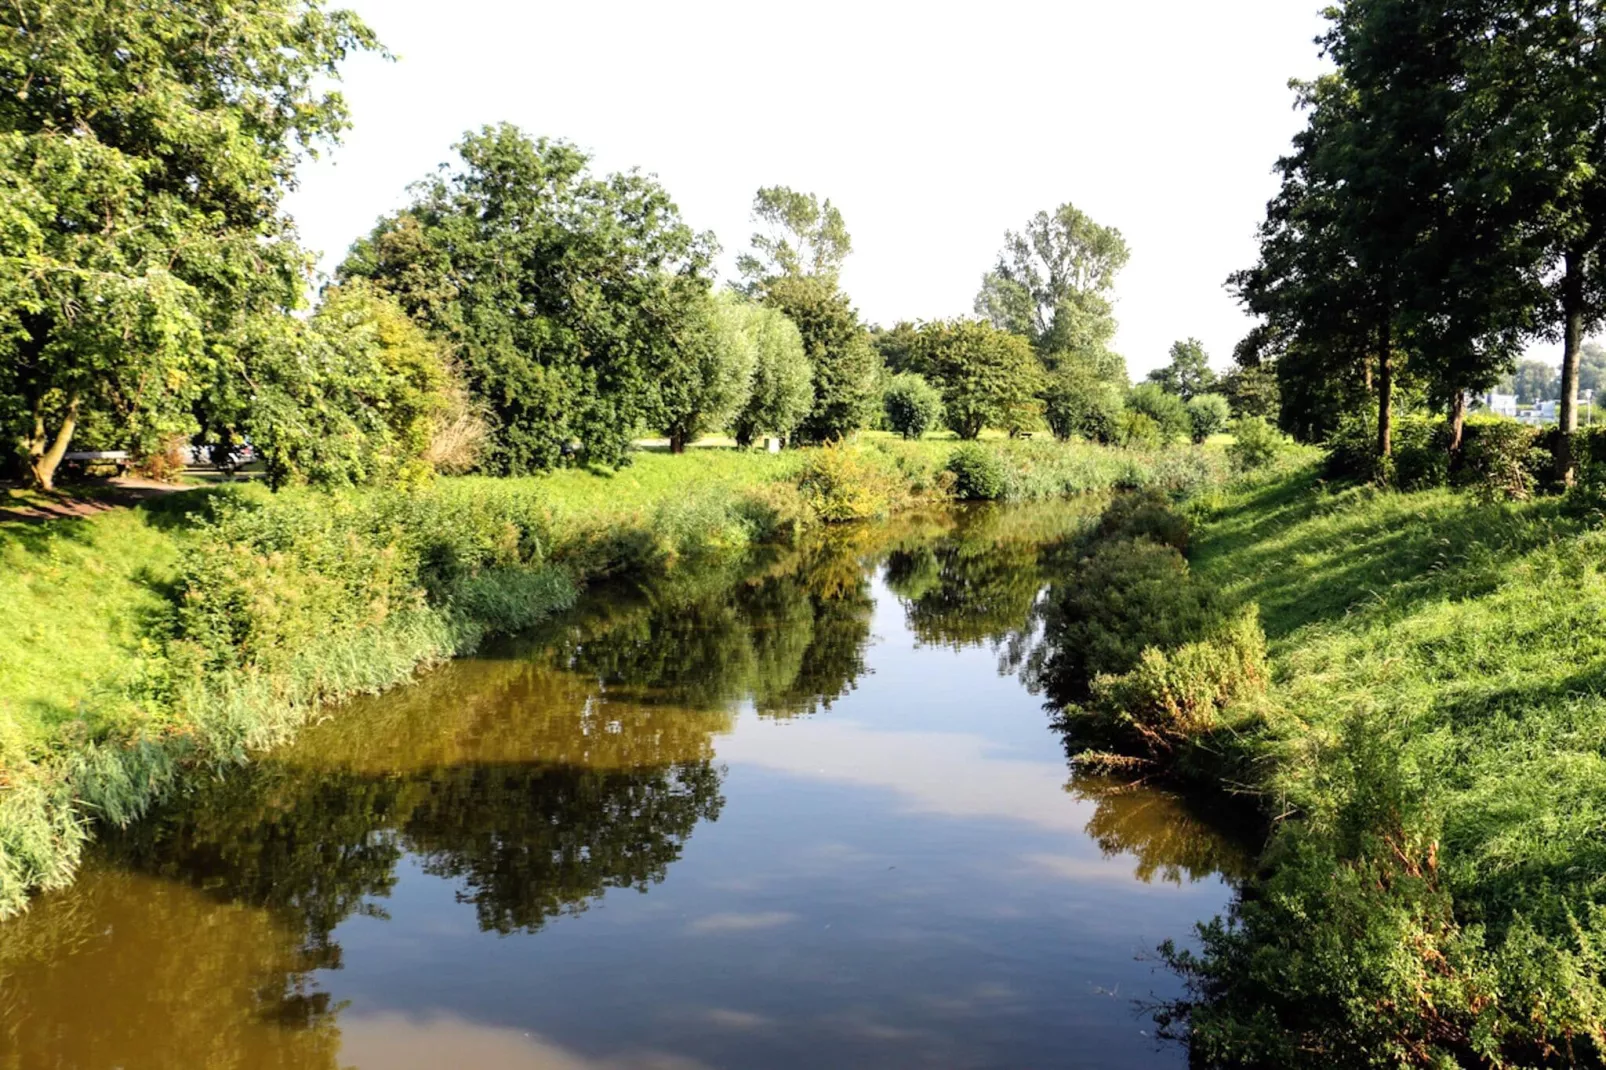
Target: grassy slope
(79,594)
(1473,636)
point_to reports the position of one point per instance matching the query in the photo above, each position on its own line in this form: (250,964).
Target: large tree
(987,376)
(1052,282)
(1537,85)
(706,376)
(794,266)
(802,236)
(568,296)
(144,153)
(1188,373)
(783,378)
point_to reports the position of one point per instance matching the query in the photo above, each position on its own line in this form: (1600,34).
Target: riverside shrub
(1501,459)
(979,474)
(840,483)
(1177,696)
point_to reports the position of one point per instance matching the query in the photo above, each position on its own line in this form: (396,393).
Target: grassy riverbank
(194,630)
(1433,744)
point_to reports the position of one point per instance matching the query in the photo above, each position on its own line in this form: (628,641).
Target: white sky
(933,127)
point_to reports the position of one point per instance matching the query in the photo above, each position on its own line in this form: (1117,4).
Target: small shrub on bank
(841,483)
(1177,696)
(1500,459)
(979,474)
(1126,596)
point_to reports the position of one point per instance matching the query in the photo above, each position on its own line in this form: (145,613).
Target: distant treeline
(522,312)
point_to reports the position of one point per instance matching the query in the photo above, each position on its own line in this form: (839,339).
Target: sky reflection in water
(803,814)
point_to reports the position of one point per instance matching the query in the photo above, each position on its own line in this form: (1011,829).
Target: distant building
(1501,404)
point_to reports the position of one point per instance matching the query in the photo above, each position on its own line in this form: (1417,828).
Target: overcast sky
(934,128)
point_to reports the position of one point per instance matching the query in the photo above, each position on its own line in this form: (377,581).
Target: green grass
(1437,728)
(80,595)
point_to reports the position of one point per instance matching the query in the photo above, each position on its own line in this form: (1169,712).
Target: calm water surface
(803,814)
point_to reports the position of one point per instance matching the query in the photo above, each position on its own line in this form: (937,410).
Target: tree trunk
(1385,391)
(44,463)
(1572,309)
(677,442)
(1458,420)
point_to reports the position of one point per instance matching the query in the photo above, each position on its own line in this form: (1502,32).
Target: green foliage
(707,377)
(912,405)
(575,303)
(1256,444)
(1168,411)
(1251,390)
(988,377)
(1209,414)
(1145,514)
(1175,697)
(844,362)
(1532,381)
(783,380)
(1138,430)
(1052,283)
(1127,595)
(142,201)
(978,474)
(1500,459)
(358,397)
(805,238)
(847,483)
(1077,401)
(1189,374)
(1435,731)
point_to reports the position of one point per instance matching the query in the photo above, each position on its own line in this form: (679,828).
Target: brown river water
(805,812)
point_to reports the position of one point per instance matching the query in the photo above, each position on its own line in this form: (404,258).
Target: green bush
(1208,414)
(1420,456)
(1168,411)
(912,405)
(1077,402)
(1500,459)
(840,483)
(1421,452)
(1138,431)
(1126,596)
(1173,697)
(1256,444)
(979,474)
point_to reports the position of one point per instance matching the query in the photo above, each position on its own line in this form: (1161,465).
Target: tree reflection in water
(535,779)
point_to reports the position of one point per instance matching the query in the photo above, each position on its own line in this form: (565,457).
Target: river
(801,811)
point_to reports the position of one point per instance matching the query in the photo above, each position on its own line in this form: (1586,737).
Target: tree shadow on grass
(1307,555)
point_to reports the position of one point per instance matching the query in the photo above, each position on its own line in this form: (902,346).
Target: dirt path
(81,500)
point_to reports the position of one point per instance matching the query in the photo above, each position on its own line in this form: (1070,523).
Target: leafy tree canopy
(783,379)
(1188,373)
(802,236)
(1052,282)
(566,295)
(912,405)
(988,376)
(144,153)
